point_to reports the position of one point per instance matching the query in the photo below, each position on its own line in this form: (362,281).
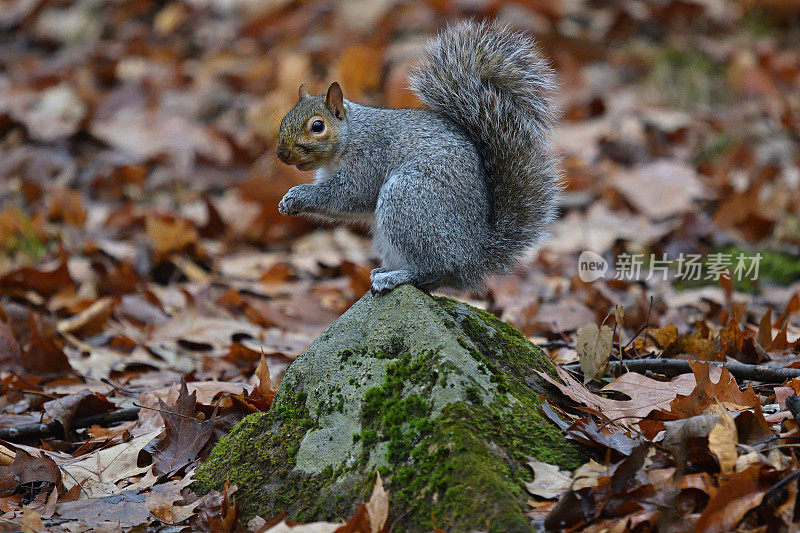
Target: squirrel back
(495,83)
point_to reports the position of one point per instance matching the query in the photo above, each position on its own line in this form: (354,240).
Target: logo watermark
(685,267)
(591,266)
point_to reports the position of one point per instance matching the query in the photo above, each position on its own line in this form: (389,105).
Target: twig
(29,431)
(673,367)
(775,489)
(165,411)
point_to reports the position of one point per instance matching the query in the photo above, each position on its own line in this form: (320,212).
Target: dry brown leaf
(264,388)
(765,329)
(587,475)
(90,321)
(227,520)
(664,336)
(722,441)
(549,481)
(99,472)
(27,468)
(661,189)
(593,345)
(185,436)
(370,516)
(706,393)
(43,354)
(80,404)
(378,506)
(739,493)
(168,236)
(44,282)
(67,205)
(646,395)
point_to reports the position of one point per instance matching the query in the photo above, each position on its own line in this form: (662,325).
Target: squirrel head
(313,133)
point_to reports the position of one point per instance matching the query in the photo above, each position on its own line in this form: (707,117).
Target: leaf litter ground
(151,295)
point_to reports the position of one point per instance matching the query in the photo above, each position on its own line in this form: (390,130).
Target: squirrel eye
(317,126)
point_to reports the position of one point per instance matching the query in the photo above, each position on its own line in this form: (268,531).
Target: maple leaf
(706,393)
(185,435)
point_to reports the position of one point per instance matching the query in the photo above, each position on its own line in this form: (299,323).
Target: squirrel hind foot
(384,280)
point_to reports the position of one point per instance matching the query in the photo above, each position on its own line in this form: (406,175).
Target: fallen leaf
(67,205)
(185,436)
(661,189)
(228,519)
(99,472)
(548,481)
(706,393)
(80,404)
(90,321)
(593,345)
(664,336)
(43,354)
(587,475)
(10,352)
(44,282)
(646,395)
(722,441)
(314,527)
(128,508)
(737,494)
(27,468)
(264,390)
(378,506)
(168,236)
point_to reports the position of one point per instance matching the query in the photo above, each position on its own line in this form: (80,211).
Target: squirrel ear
(302,92)
(334,100)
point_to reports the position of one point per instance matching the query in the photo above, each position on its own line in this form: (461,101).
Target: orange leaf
(706,393)
(737,495)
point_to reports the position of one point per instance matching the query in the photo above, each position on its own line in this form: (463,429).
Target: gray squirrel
(454,192)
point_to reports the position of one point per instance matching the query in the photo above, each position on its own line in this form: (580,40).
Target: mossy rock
(441,398)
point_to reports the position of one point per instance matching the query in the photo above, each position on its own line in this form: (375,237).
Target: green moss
(279,433)
(474,396)
(471,452)
(497,342)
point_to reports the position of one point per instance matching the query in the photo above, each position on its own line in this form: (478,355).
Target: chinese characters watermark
(686,267)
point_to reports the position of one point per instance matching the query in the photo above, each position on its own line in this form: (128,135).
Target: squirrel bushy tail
(495,83)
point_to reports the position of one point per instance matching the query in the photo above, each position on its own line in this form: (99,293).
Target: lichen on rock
(438,396)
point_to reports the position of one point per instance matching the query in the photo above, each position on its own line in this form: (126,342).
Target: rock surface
(441,398)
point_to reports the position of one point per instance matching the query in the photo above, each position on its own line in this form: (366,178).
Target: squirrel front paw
(292,202)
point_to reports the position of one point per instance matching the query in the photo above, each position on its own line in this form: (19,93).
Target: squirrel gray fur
(454,192)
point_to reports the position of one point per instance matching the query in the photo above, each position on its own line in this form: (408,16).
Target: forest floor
(142,248)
